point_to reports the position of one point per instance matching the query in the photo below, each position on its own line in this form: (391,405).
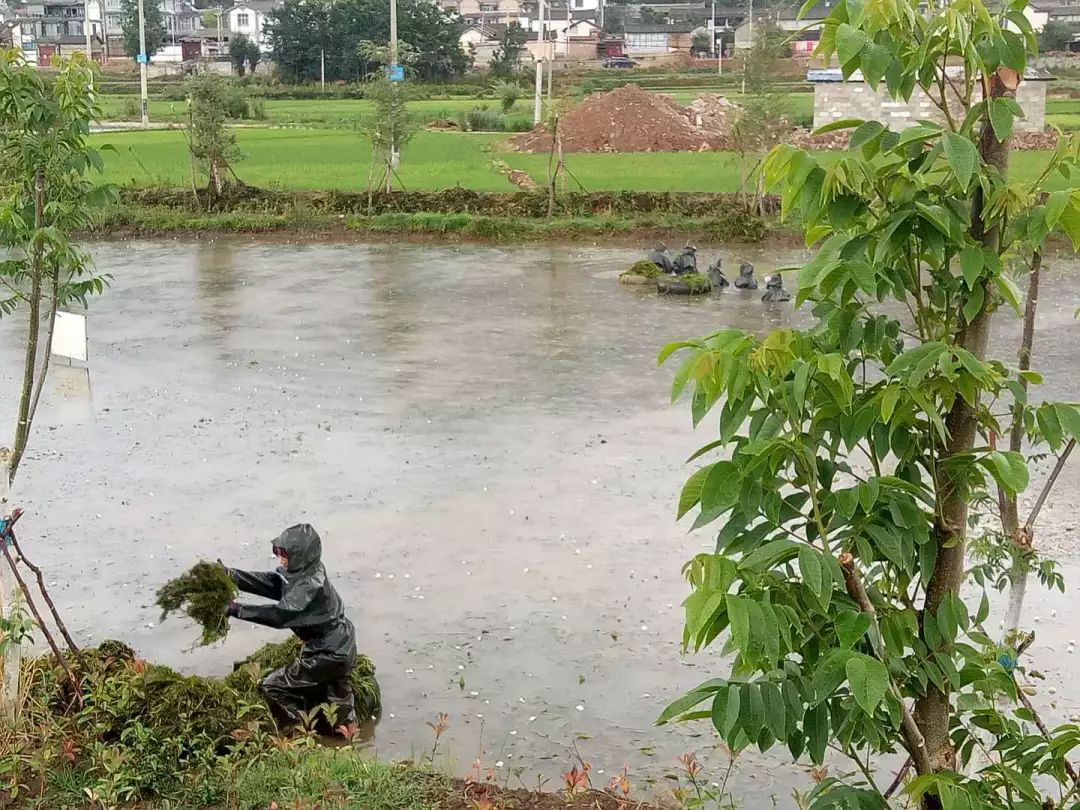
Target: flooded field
(484,441)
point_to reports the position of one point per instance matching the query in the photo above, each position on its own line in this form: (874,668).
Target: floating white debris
(644,627)
(408,672)
(475,694)
(580,708)
(525,570)
(378,575)
(499,764)
(513,733)
(533,718)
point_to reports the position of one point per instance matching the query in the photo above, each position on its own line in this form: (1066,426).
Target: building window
(579,3)
(243,20)
(489,6)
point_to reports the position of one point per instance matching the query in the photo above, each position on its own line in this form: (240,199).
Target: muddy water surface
(484,441)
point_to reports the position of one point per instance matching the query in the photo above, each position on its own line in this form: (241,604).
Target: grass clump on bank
(686,284)
(203,593)
(138,731)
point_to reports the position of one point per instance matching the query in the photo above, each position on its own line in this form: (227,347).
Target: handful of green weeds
(203,593)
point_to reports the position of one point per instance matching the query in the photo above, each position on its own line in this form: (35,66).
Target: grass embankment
(451,214)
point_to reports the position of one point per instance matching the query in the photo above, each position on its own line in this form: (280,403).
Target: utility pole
(539,64)
(144,103)
(86,29)
(750,10)
(395,155)
(718,43)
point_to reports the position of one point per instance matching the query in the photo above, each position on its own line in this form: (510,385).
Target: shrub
(508,93)
(482,119)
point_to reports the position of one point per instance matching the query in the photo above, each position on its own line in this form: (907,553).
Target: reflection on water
(482,437)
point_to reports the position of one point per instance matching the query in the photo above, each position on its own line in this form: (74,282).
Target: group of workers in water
(686,262)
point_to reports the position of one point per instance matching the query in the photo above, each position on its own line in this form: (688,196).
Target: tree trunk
(1010,518)
(12,659)
(37,271)
(933,710)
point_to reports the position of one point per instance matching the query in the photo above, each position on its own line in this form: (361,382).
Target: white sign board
(69,336)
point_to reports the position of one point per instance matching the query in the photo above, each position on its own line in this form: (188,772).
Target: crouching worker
(307,604)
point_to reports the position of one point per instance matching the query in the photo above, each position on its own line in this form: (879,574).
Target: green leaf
(802,381)
(889,398)
(688,701)
(833,126)
(720,490)
(1055,206)
(971,262)
(775,710)
(816,725)
(1008,468)
(739,615)
(869,681)
(868,131)
(691,491)
(752,714)
(725,711)
(813,575)
(962,157)
(849,42)
(1050,425)
(851,626)
(830,673)
(973,304)
(875,62)
(1001,119)
(1008,291)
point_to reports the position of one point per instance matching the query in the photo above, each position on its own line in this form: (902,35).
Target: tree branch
(1029,526)
(913,738)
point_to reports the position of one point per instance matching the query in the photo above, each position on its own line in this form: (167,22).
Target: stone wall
(835,101)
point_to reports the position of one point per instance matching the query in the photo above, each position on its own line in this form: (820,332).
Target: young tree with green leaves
(859,454)
(210,141)
(129,26)
(391,127)
(46,194)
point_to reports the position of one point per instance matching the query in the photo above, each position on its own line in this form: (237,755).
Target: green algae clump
(203,593)
(686,284)
(248,673)
(642,272)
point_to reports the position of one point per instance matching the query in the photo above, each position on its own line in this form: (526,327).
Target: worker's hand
(233,610)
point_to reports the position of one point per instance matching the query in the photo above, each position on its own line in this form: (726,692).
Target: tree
(210,142)
(129,26)
(860,453)
(254,55)
(1056,36)
(45,195)
(509,93)
(391,127)
(507,57)
(701,42)
(301,32)
(239,50)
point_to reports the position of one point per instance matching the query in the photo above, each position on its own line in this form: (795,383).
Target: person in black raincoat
(307,604)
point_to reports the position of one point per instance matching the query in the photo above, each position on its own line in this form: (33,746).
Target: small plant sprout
(439,726)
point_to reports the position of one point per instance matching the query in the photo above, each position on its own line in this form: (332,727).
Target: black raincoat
(307,604)
(746,280)
(774,290)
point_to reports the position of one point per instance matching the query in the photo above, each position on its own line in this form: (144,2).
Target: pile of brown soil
(627,119)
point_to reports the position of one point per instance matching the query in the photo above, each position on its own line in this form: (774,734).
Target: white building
(248,17)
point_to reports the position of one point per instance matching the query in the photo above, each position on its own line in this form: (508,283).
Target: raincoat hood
(746,269)
(774,282)
(301,542)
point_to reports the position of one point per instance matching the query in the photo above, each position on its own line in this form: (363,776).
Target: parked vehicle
(619,62)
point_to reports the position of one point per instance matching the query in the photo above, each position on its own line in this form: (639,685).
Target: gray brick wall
(835,101)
